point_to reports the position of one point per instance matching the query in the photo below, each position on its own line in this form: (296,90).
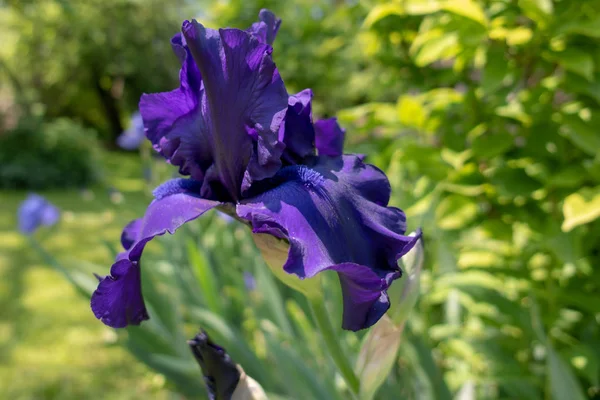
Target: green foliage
(37,155)
(89,59)
(495,154)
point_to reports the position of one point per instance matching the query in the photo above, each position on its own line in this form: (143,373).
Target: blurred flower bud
(224,379)
(275,254)
(34,212)
(377,356)
(248,388)
(404,294)
(380,347)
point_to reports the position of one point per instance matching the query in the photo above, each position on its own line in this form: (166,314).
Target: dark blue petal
(329,138)
(298,132)
(334,214)
(221,126)
(131,233)
(118,300)
(266,28)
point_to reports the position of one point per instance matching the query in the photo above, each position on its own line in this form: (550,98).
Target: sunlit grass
(51,346)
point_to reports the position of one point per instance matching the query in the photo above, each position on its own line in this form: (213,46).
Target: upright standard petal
(333,212)
(298,133)
(221,126)
(166,116)
(118,300)
(244,102)
(329,137)
(266,28)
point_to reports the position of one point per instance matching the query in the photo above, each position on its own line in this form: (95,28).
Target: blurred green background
(484,114)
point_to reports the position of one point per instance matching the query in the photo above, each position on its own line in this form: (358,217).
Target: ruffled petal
(333,212)
(131,233)
(118,301)
(298,132)
(266,28)
(329,137)
(221,126)
(245,105)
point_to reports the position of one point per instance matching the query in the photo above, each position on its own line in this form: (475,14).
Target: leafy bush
(37,155)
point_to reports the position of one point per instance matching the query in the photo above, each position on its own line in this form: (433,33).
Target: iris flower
(133,137)
(34,212)
(251,150)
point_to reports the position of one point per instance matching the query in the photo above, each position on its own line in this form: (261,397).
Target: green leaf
(583,358)
(512,182)
(268,288)
(467,8)
(296,373)
(455,212)
(435,48)
(516,111)
(205,276)
(382,11)
(563,383)
(539,11)
(420,356)
(411,112)
(577,61)
(492,144)
(584,136)
(590,28)
(581,208)
(496,69)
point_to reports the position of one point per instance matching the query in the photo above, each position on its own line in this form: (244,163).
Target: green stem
(331,340)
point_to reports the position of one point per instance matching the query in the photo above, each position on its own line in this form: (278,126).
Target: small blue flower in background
(252,149)
(133,137)
(35,211)
(249,281)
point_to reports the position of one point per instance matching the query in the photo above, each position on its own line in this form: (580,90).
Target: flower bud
(377,356)
(404,294)
(225,380)
(275,253)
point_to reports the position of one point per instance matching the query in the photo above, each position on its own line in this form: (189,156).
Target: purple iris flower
(34,212)
(253,151)
(133,137)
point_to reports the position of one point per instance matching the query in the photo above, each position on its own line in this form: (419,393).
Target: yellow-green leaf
(411,112)
(581,208)
(467,8)
(382,11)
(455,212)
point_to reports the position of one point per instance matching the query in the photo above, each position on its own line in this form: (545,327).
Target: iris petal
(118,300)
(329,137)
(333,212)
(298,132)
(245,105)
(266,28)
(221,126)
(131,233)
